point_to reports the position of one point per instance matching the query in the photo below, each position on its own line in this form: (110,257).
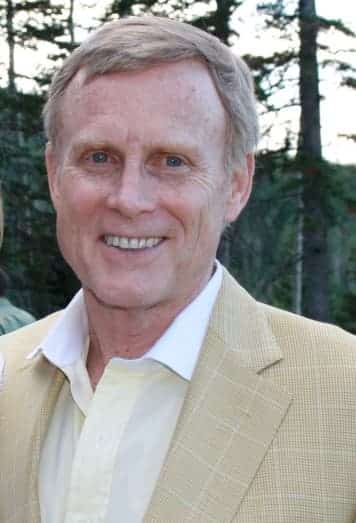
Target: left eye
(100,157)
(174,161)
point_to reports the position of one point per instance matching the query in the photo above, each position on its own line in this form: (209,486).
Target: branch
(325,24)
(280,108)
(348,136)
(349,81)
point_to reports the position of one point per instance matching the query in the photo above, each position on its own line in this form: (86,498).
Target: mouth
(126,243)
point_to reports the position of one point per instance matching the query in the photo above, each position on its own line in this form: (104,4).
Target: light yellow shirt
(104,451)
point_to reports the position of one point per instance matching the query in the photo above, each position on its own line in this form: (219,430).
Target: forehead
(167,97)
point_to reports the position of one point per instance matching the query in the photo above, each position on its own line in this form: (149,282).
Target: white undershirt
(103,451)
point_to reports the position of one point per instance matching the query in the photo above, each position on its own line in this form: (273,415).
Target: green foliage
(264,255)
(40,281)
(343,252)
(34,21)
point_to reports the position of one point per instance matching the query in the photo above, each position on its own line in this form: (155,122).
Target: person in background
(164,392)
(11,317)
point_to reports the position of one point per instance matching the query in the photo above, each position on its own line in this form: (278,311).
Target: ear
(52,173)
(240,188)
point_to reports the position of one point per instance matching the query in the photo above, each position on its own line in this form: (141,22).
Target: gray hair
(136,43)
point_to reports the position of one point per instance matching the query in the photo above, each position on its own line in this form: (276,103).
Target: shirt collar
(67,340)
(178,348)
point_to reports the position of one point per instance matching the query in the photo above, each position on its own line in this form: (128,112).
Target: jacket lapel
(229,418)
(22,431)
(49,386)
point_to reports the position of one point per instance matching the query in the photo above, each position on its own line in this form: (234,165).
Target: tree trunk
(299,251)
(315,274)
(70,22)
(11,46)
(222,19)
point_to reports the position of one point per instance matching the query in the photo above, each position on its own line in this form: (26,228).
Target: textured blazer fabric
(267,432)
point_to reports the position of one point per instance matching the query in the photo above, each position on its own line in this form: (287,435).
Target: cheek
(78,200)
(186,207)
(199,210)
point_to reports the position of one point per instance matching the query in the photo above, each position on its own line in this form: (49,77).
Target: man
(164,392)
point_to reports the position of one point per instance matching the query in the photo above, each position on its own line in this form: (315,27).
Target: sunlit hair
(136,43)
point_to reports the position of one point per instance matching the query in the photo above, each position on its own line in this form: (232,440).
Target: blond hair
(136,43)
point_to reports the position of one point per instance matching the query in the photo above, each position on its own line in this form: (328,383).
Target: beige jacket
(267,433)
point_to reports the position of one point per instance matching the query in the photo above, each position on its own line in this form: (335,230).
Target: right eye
(100,162)
(99,157)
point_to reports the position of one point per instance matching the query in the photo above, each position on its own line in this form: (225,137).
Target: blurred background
(295,244)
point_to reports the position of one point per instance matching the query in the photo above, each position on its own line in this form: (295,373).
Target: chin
(121,298)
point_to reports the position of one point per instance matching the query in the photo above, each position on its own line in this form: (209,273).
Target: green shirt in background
(11,317)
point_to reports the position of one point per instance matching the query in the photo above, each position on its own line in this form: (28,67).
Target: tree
(314,216)
(30,254)
(315,229)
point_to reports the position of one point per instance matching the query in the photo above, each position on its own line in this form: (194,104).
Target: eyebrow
(175,145)
(82,144)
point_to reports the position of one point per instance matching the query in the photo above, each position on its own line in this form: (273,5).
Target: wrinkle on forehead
(198,101)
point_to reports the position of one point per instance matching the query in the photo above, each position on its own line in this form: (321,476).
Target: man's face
(139,184)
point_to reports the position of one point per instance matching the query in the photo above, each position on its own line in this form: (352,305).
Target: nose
(132,192)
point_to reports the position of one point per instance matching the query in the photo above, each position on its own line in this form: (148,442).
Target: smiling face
(139,184)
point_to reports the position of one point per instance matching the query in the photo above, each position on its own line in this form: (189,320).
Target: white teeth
(124,242)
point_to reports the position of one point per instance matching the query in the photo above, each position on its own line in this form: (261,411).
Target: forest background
(295,244)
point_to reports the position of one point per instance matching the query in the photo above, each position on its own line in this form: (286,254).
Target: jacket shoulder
(311,339)
(16,345)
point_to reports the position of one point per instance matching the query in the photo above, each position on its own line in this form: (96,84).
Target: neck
(129,334)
